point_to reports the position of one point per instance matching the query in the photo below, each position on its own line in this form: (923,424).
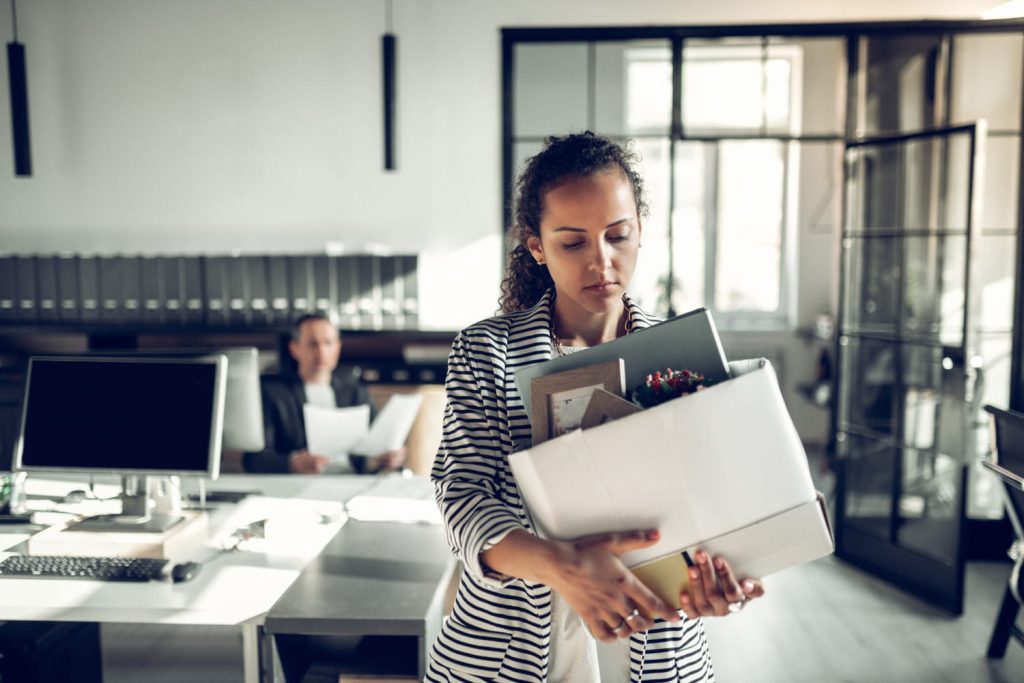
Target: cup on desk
(12,493)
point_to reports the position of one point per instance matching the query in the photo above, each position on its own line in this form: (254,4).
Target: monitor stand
(135,515)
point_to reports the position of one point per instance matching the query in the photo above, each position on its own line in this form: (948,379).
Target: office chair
(1009,442)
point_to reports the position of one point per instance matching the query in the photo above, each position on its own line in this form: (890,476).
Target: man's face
(317,348)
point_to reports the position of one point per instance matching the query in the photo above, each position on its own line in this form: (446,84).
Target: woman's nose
(600,257)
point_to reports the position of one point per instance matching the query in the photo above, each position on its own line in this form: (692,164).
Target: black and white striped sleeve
(467,470)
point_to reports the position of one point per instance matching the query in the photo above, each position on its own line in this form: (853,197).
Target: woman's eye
(618,238)
(572,245)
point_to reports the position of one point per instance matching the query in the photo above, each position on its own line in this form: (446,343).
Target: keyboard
(96,568)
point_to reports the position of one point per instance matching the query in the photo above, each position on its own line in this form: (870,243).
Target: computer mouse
(180,573)
(76,496)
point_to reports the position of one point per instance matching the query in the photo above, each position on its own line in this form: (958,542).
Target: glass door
(906,378)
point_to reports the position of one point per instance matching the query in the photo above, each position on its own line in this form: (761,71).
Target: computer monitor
(243,405)
(128,416)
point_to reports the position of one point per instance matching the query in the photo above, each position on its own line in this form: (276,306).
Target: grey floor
(826,621)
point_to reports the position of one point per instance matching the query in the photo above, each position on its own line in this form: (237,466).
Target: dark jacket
(283,422)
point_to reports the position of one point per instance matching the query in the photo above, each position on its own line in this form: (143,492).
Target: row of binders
(359,291)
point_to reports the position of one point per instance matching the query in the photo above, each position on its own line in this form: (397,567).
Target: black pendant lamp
(388,45)
(18,78)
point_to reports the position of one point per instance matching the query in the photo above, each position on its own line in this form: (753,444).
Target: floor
(826,621)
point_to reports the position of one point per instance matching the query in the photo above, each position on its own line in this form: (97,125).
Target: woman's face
(589,236)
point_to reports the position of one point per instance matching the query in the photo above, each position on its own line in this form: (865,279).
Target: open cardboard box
(722,469)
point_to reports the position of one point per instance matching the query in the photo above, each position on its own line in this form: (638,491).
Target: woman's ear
(533,244)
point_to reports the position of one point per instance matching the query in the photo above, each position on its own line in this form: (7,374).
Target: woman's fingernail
(718,563)
(694,573)
(653,535)
(684,599)
(702,557)
(748,586)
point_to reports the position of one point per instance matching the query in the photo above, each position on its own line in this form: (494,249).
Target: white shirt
(321,395)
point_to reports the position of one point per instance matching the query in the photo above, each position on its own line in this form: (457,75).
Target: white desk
(232,589)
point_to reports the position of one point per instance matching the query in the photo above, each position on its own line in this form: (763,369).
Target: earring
(540,262)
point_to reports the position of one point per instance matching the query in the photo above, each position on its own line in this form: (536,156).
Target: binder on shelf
(345,294)
(236,291)
(300,285)
(25,274)
(409,291)
(131,289)
(192,287)
(277,290)
(390,304)
(67,289)
(324,284)
(172,290)
(110,289)
(89,288)
(368,290)
(152,294)
(8,289)
(259,295)
(215,289)
(46,288)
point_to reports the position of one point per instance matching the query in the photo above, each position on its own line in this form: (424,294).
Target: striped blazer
(500,628)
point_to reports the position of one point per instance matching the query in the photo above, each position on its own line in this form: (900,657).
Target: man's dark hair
(302,320)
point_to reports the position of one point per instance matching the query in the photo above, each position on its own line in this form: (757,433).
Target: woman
(526,607)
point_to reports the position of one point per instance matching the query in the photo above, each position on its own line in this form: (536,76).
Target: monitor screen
(123,415)
(243,403)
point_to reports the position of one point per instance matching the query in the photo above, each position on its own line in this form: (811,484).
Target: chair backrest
(1009,441)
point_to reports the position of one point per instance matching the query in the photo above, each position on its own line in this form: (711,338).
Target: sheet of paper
(396,498)
(391,428)
(335,431)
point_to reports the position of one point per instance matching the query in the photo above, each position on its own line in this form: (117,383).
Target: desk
(372,579)
(233,589)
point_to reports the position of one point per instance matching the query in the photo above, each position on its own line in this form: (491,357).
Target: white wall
(253,125)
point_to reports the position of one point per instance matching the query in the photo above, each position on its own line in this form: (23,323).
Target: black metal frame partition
(852,33)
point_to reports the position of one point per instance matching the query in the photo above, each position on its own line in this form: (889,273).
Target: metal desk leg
(252,631)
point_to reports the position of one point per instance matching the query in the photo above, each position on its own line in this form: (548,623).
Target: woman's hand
(597,585)
(714,590)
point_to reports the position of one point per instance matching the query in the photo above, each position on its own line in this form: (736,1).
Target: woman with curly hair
(530,609)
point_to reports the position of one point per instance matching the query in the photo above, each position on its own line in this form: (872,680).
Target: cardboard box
(722,469)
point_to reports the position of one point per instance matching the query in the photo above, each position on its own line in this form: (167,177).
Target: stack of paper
(396,498)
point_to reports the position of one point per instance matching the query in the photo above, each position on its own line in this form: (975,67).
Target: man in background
(316,347)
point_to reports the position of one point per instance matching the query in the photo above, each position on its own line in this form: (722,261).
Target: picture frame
(559,400)
(604,407)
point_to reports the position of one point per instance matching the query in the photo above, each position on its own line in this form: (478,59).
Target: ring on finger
(623,624)
(738,605)
(632,615)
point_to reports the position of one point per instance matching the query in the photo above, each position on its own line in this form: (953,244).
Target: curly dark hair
(564,158)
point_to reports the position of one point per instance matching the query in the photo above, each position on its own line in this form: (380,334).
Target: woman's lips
(600,287)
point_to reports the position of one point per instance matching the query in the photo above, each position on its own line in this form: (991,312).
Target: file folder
(390,305)
(280,300)
(8,289)
(25,274)
(46,289)
(67,289)
(89,288)
(110,289)
(409,291)
(131,289)
(368,291)
(324,284)
(259,297)
(152,295)
(215,289)
(236,291)
(172,289)
(300,285)
(348,306)
(192,283)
